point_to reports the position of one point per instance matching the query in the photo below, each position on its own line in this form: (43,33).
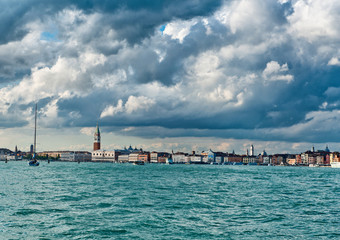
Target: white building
(75,156)
(133,157)
(123,158)
(112,156)
(104,156)
(196,159)
(178,157)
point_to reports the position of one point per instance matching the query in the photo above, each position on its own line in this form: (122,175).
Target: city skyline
(162,75)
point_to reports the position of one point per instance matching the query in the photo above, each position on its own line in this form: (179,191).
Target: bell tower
(96,143)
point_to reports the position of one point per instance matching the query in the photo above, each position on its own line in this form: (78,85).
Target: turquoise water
(123,201)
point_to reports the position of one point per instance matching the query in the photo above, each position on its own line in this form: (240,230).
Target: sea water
(124,201)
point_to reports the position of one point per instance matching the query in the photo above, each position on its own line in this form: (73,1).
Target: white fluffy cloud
(133,104)
(314,19)
(179,29)
(334,62)
(275,72)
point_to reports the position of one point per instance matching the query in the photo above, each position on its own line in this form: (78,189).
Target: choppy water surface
(123,201)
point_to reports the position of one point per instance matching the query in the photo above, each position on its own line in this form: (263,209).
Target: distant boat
(34,161)
(314,165)
(138,163)
(335,164)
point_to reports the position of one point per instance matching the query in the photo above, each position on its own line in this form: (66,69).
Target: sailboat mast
(35,130)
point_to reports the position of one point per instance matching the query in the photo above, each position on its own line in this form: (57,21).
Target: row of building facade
(131,155)
(322,158)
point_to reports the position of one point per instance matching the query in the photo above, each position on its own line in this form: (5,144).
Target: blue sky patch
(49,36)
(162,28)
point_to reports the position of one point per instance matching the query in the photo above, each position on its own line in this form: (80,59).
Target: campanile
(96,143)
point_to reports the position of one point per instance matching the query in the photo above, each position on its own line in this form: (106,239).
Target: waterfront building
(305,157)
(96,143)
(188,159)
(154,157)
(138,156)
(52,154)
(311,159)
(144,157)
(11,157)
(327,159)
(165,158)
(335,157)
(291,160)
(279,159)
(205,157)
(105,156)
(179,157)
(251,160)
(267,159)
(159,157)
(211,156)
(195,158)
(4,152)
(261,157)
(124,158)
(75,156)
(320,159)
(232,158)
(112,155)
(2,156)
(133,157)
(298,159)
(219,157)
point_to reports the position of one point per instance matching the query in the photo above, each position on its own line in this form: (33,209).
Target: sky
(171,75)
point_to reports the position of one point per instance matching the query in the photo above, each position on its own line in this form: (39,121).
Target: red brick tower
(96,144)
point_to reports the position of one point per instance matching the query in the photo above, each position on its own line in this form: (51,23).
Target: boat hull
(33,163)
(335,164)
(138,163)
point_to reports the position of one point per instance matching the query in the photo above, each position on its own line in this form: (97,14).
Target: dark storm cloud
(240,69)
(134,20)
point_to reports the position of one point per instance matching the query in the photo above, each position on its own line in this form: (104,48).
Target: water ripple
(122,201)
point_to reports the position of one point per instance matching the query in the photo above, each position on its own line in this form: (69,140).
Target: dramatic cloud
(248,69)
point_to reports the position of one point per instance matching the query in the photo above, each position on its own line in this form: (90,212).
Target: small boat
(138,163)
(335,164)
(34,162)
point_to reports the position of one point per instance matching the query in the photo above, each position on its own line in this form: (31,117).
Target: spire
(97,129)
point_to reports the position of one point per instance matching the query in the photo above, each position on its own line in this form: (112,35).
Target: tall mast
(35,130)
